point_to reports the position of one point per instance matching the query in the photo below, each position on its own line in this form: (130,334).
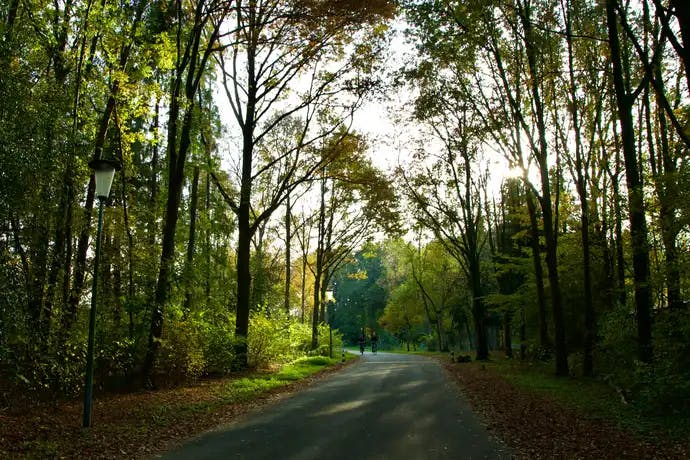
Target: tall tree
(638,224)
(272,44)
(195,40)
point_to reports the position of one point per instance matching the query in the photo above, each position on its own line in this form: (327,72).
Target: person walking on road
(361,343)
(374,342)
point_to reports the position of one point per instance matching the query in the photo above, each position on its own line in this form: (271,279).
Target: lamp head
(104,171)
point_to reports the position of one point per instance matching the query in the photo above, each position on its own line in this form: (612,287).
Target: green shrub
(269,340)
(218,348)
(663,386)
(180,356)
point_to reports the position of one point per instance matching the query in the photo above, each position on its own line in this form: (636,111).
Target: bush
(663,387)
(180,357)
(269,341)
(218,348)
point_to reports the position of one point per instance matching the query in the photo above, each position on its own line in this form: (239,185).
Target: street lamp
(104,171)
(329,299)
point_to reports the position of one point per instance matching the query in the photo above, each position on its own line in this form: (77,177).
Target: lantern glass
(104,179)
(104,171)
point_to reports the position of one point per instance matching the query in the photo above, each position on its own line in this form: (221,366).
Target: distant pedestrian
(374,342)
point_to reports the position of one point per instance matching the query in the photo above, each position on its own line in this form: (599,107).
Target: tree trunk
(581,187)
(244,277)
(191,243)
(80,262)
(550,235)
(638,224)
(288,256)
(667,191)
(207,210)
(618,231)
(682,13)
(177,157)
(507,339)
(544,341)
(478,311)
(304,282)
(318,273)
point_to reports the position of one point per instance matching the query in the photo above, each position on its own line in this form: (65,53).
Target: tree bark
(80,262)
(638,224)
(581,187)
(507,334)
(544,341)
(288,256)
(191,242)
(665,178)
(682,13)
(550,235)
(318,272)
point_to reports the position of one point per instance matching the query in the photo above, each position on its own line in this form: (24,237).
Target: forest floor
(536,421)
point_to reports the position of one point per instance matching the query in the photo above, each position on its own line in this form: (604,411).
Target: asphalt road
(387,406)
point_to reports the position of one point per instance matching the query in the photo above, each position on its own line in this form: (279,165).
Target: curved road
(387,406)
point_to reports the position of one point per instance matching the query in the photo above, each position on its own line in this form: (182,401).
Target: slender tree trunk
(550,235)
(38,256)
(544,341)
(187,79)
(523,335)
(175,184)
(667,191)
(207,209)
(191,242)
(288,255)
(581,186)
(57,264)
(478,311)
(305,254)
(682,13)
(507,339)
(318,273)
(152,227)
(244,280)
(618,228)
(638,224)
(244,238)
(80,262)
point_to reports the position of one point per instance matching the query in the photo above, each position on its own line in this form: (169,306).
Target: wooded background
(246,198)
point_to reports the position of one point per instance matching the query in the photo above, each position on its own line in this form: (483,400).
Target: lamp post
(104,171)
(329,299)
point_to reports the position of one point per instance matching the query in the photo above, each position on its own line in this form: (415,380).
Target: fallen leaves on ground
(534,426)
(133,425)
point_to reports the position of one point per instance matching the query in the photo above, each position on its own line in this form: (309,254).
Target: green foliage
(218,347)
(181,357)
(269,341)
(360,300)
(663,387)
(303,367)
(275,339)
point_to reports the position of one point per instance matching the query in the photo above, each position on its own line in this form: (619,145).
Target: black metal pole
(88,391)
